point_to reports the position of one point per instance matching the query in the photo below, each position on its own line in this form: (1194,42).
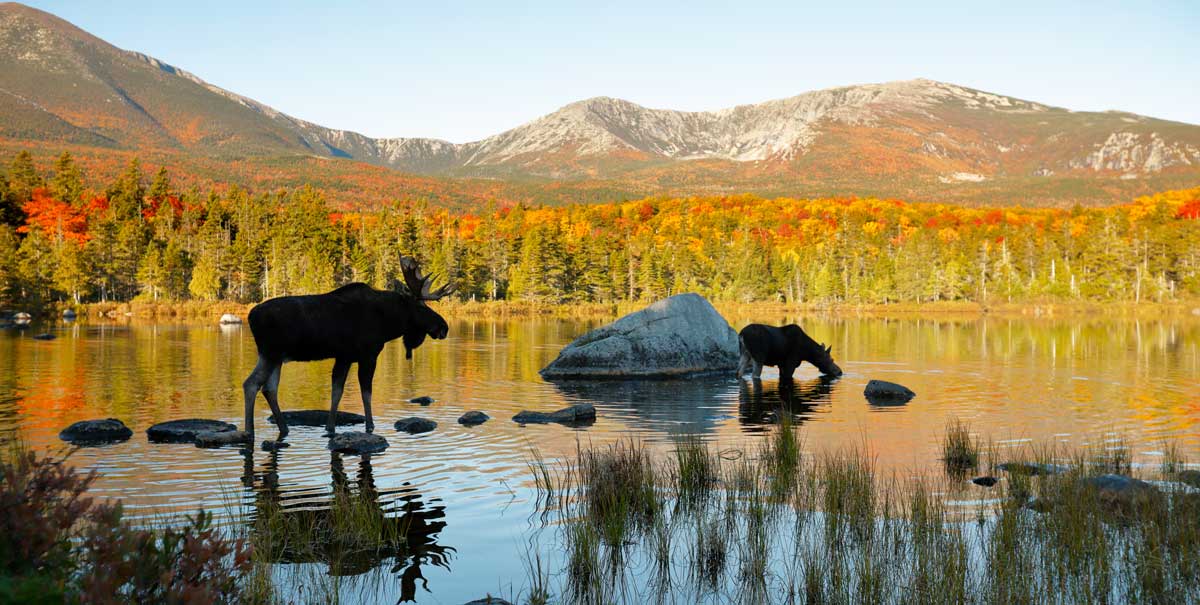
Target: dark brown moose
(785,347)
(349,325)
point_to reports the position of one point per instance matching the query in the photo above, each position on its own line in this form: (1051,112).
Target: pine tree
(68,181)
(23,178)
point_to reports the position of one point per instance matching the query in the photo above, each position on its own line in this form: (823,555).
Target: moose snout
(439,333)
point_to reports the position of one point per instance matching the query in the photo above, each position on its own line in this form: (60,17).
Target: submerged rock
(882,392)
(230,319)
(357,443)
(219,438)
(185,431)
(46,336)
(675,336)
(422,400)
(1032,468)
(415,425)
(318,418)
(95,432)
(473,418)
(985,481)
(577,414)
(1111,493)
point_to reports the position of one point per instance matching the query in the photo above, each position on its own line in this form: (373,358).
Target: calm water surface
(466,492)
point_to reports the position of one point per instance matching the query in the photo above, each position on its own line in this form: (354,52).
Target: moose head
(425,321)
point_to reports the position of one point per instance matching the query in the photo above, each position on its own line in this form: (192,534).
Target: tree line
(141,239)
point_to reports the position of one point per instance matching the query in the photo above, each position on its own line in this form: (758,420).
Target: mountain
(61,87)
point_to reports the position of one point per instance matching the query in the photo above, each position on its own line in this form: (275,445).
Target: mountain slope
(60,86)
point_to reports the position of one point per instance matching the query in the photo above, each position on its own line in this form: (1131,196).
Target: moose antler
(419,286)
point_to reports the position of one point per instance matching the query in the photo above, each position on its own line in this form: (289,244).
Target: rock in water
(318,418)
(219,438)
(185,431)
(229,319)
(415,425)
(984,481)
(69,314)
(473,418)
(1032,468)
(579,413)
(675,336)
(881,392)
(488,601)
(1190,477)
(357,443)
(422,400)
(46,336)
(95,432)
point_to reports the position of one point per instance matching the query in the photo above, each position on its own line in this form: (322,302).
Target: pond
(464,495)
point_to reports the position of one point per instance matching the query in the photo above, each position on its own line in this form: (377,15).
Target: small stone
(219,438)
(882,392)
(185,431)
(271,446)
(415,425)
(575,414)
(422,400)
(96,432)
(46,336)
(318,418)
(473,418)
(230,319)
(984,481)
(357,443)
(69,314)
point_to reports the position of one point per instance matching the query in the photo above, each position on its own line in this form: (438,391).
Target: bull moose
(349,325)
(785,347)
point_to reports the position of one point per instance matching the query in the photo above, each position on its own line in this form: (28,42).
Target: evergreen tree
(68,181)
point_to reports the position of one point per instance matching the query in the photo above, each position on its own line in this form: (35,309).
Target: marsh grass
(960,450)
(781,525)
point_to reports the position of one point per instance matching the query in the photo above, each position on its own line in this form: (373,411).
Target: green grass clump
(960,451)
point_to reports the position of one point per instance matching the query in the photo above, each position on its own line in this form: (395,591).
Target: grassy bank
(205,311)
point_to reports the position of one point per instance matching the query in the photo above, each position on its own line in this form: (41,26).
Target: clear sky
(465,70)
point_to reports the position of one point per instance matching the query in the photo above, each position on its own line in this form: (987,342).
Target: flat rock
(318,418)
(95,432)
(219,438)
(415,425)
(882,392)
(473,418)
(676,336)
(271,446)
(1032,468)
(575,414)
(357,443)
(1190,477)
(46,336)
(185,431)
(985,481)
(422,400)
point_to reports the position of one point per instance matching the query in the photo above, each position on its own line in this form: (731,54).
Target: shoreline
(199,310)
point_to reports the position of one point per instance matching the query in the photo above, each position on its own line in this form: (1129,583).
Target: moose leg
(250,388)
(271,392)
(758,370)
(341,369)
(785,373)
(366,373)
(743,363)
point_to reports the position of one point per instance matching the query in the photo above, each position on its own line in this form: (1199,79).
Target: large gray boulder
(675,336)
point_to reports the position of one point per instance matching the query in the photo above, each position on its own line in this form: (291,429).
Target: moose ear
(829,349)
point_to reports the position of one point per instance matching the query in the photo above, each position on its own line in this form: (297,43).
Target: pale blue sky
(465,70)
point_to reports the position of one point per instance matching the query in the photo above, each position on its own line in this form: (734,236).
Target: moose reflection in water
(759,408)
(352,531)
